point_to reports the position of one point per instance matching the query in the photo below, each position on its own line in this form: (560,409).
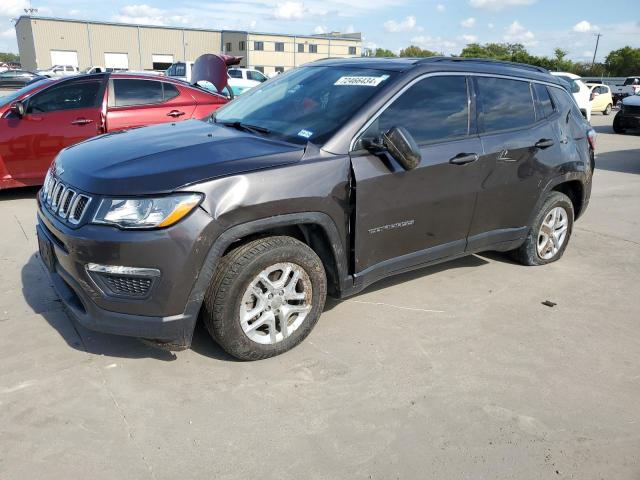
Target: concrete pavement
(455,371)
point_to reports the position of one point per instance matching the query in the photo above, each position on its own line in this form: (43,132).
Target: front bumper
(167,313)
(629,120)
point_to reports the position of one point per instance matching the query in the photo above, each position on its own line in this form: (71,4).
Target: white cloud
(585,27)
(9,33)
(499,4)
(289,11)
(320,29)
(516,33)
(440,8)
(12,8)
(405,25)
(74,12)
(490,25)
(147,15)
(469,38)
(350,29)
(435,44)
(468,22)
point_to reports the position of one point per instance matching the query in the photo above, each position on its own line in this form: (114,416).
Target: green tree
(623,62)
(414,51)
(383,52)
(9,57)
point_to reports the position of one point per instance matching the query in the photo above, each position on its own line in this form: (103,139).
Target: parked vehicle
(629,115)
(4,66)
(581,93)
(59,71)
(601,98)
(41,119)
(240,79)
(16,78)
(630,86)
(365,168)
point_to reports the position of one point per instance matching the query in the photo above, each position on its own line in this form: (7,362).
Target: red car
(39,120)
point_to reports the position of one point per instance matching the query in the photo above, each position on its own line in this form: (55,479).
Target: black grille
(64,201)
(633,109)
(128,286)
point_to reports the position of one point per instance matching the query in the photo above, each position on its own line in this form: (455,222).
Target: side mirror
(401,146)
(18,109)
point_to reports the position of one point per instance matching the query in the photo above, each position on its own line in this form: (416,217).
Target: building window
(313,48)
(279,69)
(258,45)
(279,47)
(227,47)
(260,69)
(301,48)
(242,46)
(352,50)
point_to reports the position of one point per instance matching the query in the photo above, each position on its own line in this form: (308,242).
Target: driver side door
(56,117)
(407,218)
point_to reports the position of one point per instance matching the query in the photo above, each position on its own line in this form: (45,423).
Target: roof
(478,65)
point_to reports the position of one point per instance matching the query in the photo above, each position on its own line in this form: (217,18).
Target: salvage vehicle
(629,87)
(16,78)
(629,115)
(580,91)
(321,181)
(59,71)
(601,98)
(41,119)
(239,80)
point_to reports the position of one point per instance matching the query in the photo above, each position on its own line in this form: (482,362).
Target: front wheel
(265,298)
(607,111)
(549,233)
(617,124)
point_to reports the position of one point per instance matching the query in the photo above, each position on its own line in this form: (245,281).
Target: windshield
(575,86)
(306,104)
(631,81)
(17,93)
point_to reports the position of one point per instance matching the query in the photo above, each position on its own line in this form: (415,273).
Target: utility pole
(598,35)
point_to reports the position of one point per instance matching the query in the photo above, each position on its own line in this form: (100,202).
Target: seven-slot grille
(64,201)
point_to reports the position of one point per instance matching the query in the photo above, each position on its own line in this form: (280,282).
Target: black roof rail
(485,60)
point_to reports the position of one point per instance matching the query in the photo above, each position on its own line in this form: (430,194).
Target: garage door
(161,62)
(64,57)
(119,61)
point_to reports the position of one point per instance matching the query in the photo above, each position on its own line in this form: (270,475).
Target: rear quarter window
(544,104)
(504,104)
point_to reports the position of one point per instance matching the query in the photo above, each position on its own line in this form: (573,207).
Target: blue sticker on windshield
(305,133)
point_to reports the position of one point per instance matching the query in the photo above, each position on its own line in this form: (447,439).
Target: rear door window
(433,110)
(129,92)
(504,104)
(544,105)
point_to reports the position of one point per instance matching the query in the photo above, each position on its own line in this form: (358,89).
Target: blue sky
(440,25)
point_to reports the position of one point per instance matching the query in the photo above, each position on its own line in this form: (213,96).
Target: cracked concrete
(456,371)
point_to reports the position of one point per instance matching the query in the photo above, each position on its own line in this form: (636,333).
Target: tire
(607,111)
(529,252)
(237,290)
(617,127)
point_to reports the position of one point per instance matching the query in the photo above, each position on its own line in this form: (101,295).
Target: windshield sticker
(305,133)
(361,81)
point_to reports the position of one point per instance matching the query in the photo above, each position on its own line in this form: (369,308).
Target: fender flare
(236,232)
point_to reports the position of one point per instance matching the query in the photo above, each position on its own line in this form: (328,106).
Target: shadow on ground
(624,161)
(18,193)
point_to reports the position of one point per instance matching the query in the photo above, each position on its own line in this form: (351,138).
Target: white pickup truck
(631,86)
(240,79)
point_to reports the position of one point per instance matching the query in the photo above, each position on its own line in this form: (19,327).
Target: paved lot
(456,371)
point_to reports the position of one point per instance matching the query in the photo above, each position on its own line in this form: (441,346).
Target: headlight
(146,212)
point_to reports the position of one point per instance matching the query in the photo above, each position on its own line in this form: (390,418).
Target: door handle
(175,113)
(544,143)
(81,121)
(464,158)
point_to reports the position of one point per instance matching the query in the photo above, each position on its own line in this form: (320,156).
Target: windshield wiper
(244,127)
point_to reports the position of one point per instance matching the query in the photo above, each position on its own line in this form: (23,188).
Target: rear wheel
(266,297)
(617,124)
(607,111)
(549,234)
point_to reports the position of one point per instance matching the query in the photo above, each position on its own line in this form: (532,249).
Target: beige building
(44,42)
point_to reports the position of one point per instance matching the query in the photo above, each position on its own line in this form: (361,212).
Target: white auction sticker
(305,133)
(362,81)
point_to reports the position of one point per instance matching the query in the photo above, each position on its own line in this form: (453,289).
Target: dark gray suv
(320,181)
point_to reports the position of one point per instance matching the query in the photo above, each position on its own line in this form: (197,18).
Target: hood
(166,157)
(631,101)
(213,68)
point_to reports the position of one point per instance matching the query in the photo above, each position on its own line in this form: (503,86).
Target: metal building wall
(26,45)
(103,39)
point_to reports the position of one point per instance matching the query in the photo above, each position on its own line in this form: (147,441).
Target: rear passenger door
(139,102)
(404,218)
(519,147)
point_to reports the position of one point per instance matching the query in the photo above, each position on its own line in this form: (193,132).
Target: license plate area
(47,254)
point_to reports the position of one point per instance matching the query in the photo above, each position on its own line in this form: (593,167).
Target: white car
(240,79)
(581,92)
(59,71)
